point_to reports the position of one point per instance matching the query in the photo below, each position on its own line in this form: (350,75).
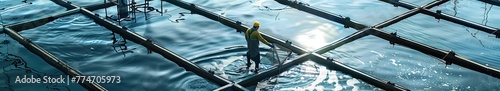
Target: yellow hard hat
(256,24)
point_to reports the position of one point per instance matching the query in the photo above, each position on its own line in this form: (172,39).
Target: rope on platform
(275,54)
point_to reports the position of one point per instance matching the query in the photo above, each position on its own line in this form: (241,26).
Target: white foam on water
(224,63)
(258,2)
(352,82)
(332,77)
(360,61)
(379,54)
(94,42)
(321,77)
(394,62)
(262,85)
(319,88)
(338,87)
(219,70)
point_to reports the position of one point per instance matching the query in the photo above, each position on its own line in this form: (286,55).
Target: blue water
(87,47)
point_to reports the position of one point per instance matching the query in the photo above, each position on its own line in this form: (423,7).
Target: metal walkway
(363,30)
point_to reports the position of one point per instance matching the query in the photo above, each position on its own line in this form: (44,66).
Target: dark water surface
(87,47)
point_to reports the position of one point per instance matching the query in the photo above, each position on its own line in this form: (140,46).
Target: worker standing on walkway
(253,37)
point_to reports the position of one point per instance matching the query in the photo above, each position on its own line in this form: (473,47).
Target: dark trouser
(256,59)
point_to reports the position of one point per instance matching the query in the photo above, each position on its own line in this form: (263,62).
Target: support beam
(335,65)
(42,21)
(345,40)
(233,24)
(51,59)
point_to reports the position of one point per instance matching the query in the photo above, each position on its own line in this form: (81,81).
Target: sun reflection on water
(317,37)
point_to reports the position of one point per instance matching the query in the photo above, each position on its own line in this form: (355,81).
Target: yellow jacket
(255,35)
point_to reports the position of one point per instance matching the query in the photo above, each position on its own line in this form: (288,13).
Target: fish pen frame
(449,57)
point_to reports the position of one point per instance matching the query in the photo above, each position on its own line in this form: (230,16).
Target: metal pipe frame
(129,35)
(233,24)
(411,44)
(132,36)
(438,53)
(304,56)
(441,15)
(50,59)
(12,31)
(54,61)
(364,30)
(109,25)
